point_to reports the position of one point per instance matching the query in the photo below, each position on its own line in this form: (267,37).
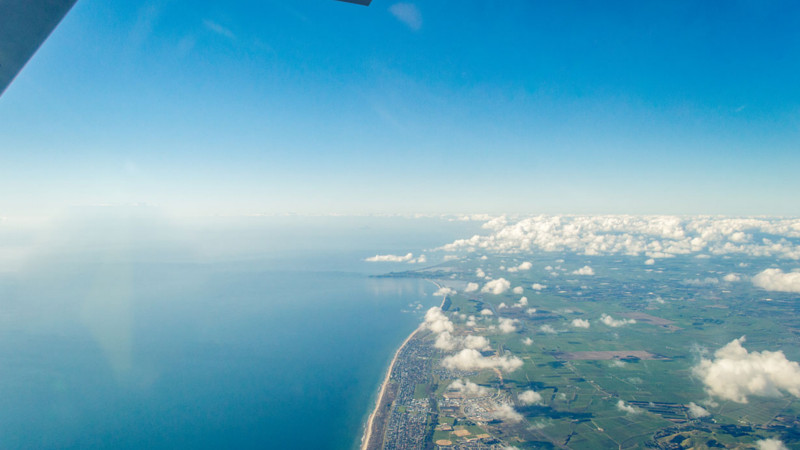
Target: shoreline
(368,431)
(365,438)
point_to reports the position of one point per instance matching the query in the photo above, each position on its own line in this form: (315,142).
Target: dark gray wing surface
(358,2)
(24,25)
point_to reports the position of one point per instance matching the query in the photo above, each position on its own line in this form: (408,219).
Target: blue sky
(244,107)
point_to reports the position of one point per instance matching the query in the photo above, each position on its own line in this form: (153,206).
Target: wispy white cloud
(218,29)
(696,411)
(469,388)
(408,257)
(507,413)
(444,291)
(615,323)
(622,406)
(408,13)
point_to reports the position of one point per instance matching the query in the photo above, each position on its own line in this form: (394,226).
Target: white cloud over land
(735,374)
(497,286)
(777,280)
(615,323)
(407,258)
(585,270)
(530,397)
(437,321)
(471,359)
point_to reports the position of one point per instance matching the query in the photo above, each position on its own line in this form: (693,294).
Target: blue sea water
(114,347)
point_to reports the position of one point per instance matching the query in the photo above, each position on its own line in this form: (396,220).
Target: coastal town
(585,362)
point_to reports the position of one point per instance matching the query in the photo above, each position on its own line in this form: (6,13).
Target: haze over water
(269,336)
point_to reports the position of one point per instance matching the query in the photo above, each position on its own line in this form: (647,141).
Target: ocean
(129,343)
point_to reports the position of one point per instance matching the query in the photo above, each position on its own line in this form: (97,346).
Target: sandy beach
(368,431)
(370,422)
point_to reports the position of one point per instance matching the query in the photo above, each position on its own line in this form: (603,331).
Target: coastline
(370,422)
(368,431)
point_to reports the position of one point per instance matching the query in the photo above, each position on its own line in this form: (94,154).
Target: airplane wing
(24,25)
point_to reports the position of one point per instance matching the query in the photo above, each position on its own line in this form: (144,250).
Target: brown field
(606,355)
(652,320)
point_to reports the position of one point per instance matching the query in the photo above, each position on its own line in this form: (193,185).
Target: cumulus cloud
(497,286)
(524,266)
(734,373)
(518,290)
(507,325)
(469,388)
(437,321)
(548,329)
(408,257)
(777,280)
(522,302)
(696,411)
(472,287)
(471,321)
(580,323)
(527,341)
(486,312)
(506,413)
(480,273)
(537,286)
(653,236)
(445,341)
(627,408)
(708,281)
(530,397)
(444,291)
(408,14)
(475,342)
(612,322)
(771,444)
(470,359)
(585,270)
(650,262)
(732,277)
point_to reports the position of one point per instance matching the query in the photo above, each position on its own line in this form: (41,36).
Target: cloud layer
(651,236)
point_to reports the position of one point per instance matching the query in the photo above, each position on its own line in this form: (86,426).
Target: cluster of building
(406,427)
